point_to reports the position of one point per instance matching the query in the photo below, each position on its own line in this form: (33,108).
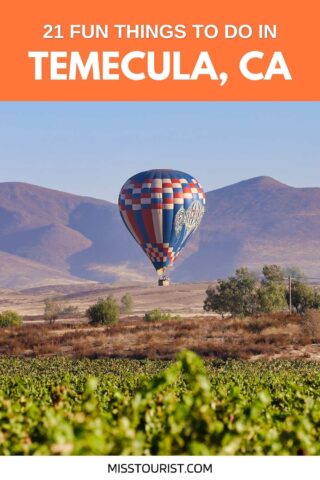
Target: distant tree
(271,294)
(218,298)
(126,303)
(272,274)
(10,318)
(52,309)
(105,311)
(304,297)
(294,272)
(236,295)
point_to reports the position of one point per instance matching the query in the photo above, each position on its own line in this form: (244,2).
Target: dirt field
(178,298)
(275,336)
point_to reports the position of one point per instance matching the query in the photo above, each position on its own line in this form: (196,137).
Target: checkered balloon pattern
(161,209)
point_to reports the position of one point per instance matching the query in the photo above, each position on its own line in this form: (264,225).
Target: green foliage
(60,406)
(236,295)
(303,297)
(52,309)
(10,318)
(126,303)
(272,274)
(158,315)
(272,291)
(105,311)
(243,295)
(316,300)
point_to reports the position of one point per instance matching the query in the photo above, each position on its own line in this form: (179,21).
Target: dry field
(181,298)
(276,336)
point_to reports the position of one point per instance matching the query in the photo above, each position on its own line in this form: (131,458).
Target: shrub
(126,303)
(105,311)
(9,318)
(311,325)
(257,324)
(158,315)
(52,310)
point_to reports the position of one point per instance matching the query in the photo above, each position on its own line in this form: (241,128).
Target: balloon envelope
(161,209)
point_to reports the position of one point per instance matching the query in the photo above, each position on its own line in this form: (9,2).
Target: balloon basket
(163,282)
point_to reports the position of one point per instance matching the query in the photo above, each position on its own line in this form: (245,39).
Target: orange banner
(168,50)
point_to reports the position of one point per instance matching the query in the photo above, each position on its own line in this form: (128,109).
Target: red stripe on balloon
(148,223)
(135,226)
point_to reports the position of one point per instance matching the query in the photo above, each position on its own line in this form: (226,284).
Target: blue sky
(92,148)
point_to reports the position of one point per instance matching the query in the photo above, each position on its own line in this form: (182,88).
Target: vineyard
(61,406)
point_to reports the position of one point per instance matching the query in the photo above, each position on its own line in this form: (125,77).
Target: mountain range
(51,237)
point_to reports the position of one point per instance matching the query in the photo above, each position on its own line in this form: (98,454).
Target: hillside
(47,236)
(18,272)
(76,236)
(255,222)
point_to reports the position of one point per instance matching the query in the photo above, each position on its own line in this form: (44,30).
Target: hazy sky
(92,148)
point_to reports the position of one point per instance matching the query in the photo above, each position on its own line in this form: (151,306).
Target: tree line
(245,293)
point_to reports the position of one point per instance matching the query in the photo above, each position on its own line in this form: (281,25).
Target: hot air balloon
(161,209)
